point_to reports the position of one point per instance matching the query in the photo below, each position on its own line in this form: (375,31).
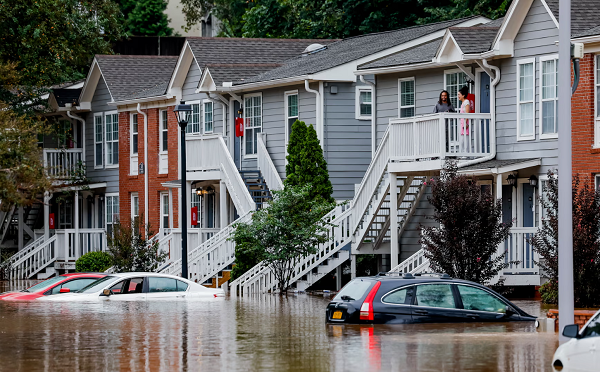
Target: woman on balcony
(444,104)
(465,108)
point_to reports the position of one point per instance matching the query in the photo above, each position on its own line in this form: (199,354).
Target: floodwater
(260,333)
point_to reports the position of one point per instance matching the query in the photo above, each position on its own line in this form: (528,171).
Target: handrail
(28,248)
(237,183)
(37,259)
(266,166)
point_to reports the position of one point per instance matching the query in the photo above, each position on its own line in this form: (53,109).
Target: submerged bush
(93,262)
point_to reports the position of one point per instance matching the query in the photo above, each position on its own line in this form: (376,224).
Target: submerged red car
(64,283)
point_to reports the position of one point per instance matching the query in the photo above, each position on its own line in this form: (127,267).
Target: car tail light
(366,310)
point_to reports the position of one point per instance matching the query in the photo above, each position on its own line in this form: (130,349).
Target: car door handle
(473,316)
(424,312)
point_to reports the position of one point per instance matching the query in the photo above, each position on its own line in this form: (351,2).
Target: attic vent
(313,48)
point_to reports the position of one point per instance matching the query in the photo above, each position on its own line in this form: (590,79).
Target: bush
(93,262)
(549,292)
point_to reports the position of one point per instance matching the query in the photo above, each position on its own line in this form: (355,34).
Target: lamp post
(182,111)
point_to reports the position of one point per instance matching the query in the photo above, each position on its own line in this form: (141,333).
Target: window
(134,134)
(164,210)
(208,117)
(477,299)
(194,119)
(98,141)
(364,103)
(157,284)
(407,97)
(525,99)
(65,215)
(164,131)
(128,286)
(356,289)
(291,112)
(597,92)
(73,285)
(549,97)
(593,328)
(112,212)
(252,122)
(453,82)
(196,201)
(135,207)
(111,122)
(435,295)
(398,297)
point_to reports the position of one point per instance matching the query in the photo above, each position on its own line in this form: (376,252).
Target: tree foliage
(586,241)
(130,250)
(53,41)
(465,245)
(93,262)
(306,163)
(288,229)
(329,19)
(147,18)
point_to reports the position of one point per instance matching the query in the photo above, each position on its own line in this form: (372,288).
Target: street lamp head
(183,113)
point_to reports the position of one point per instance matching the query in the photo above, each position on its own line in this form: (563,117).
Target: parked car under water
(426,298)
(62,284)
(140,287)
(579,353)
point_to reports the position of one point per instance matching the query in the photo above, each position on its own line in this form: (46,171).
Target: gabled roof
(134,77)
(585,15)
(422,53)
(64,96)
(472,40)
(350,49)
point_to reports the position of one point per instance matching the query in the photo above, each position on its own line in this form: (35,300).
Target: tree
(130,250)
(51,42)
(465,245)
(586,242)
(289,228)
(306,163)
(464,8)
(148,18)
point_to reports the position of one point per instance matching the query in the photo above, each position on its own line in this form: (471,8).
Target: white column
(170,208)
(21,216)
(223,199)
(352,266)
(46,215)
(499,186)
(394,244)
(76,237)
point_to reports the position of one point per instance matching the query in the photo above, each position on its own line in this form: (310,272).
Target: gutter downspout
(146,211)
(317,108)
(373,115)
(495,82)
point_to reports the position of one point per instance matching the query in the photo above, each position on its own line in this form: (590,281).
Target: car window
(477,299)
(593,328)
(181,286)
(157,284)
(396,297)
(355,289)
(99,284)
(135,285)
(45,284)
(73,285)
(119,288)
(435,295)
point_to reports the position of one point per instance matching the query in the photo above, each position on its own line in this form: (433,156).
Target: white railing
(62,163)
(261,279)
(73,245)
(27,250)
(35,261)
(203,152)
(519,251)
(371,180)
(440,136)
(414,264)
(266,166)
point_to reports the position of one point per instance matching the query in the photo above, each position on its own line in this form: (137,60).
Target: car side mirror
(571,331)
(106,292)
(65,290)
(510,311)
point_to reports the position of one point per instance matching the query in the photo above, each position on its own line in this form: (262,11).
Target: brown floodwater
(259,333)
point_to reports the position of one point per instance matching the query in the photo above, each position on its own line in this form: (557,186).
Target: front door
(237,142)
(507,195)
(484,93)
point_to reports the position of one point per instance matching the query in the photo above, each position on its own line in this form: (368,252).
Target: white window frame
(106,197)
(133,116)
(163,196)
(359,90)
(106,142)
(287,117)
(521,137)
(414,105)
(189,128)
(555,99)
(445,86)
(135,206)
(163,131)
(101,142)
(203,116)
(596,97)
(246,96)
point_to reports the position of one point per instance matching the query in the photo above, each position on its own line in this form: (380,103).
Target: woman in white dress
(465,107)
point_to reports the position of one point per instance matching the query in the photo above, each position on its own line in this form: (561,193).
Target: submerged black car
(426,298)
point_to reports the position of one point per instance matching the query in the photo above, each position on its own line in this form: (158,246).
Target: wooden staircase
(257,187)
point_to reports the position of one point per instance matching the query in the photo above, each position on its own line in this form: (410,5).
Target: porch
(63,164)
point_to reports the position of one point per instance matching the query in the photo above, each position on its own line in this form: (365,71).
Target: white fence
(520,255)
(62,163)
(440,136)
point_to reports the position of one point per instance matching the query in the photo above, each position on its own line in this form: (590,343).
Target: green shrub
(93,262)
(549,292)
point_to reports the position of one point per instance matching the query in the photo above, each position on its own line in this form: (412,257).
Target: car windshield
(98,284)
(354,290)
(45,284)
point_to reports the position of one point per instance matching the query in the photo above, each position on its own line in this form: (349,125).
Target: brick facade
(135,183)
(586,159)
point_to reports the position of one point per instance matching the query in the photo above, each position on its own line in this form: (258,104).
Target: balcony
(63,164)
(431,139)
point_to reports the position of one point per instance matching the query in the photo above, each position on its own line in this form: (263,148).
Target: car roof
(135,274)
(426,278)
(83,274)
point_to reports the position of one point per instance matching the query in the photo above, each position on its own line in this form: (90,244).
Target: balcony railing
(438,136)
(520,256)
(62,163)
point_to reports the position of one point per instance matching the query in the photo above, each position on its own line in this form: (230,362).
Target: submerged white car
(139,287)
(582,352)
